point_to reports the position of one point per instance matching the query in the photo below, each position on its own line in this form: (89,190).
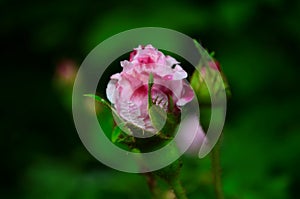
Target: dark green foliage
(257,43)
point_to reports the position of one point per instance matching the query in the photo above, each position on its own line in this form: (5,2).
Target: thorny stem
(178,189)
(175,184)
(216,171)
(151,181)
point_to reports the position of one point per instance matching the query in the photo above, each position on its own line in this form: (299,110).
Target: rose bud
(209,73)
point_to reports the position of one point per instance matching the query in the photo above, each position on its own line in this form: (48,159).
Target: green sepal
(171,104)
(216,79)
(115,135)
(158,116)
(119,136)
(150,84)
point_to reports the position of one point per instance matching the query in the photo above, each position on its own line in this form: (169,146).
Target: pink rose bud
(65,72)
(128,90)
(213,74)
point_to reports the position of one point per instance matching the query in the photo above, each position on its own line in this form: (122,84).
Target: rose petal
(197,142)
(116,76)
(111,90)
(179,73)
(170,61)
(191,135)
(187,95)
(131,113)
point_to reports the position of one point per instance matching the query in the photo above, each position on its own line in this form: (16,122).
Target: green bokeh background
(257,43)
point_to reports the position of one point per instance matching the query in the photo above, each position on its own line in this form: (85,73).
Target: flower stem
(171,175)
(178,189)
(151,181)
(216,170)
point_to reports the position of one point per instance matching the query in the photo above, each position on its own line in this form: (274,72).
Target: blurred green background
(256,41)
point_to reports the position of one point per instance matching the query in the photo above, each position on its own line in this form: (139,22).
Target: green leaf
(98,99)
(198,46)
(117,118)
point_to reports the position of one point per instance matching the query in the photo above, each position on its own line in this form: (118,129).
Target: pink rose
(128,90)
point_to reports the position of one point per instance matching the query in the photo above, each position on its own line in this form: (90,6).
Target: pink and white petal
(168,73)
(170,61)
(187,94)
(179,73)
(175,86)
(111,90)
(191,135)
(124,63)
(140,95)
(149,46)
(131,113)
(163,71)
(133,80)
(124,89)
(197,142)
(116,76)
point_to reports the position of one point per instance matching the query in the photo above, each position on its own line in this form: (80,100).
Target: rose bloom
(128,90)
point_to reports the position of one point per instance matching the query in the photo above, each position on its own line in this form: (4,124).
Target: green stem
(216,170)
(178,189)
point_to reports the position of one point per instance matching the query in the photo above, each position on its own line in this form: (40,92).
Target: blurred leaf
(98,99)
